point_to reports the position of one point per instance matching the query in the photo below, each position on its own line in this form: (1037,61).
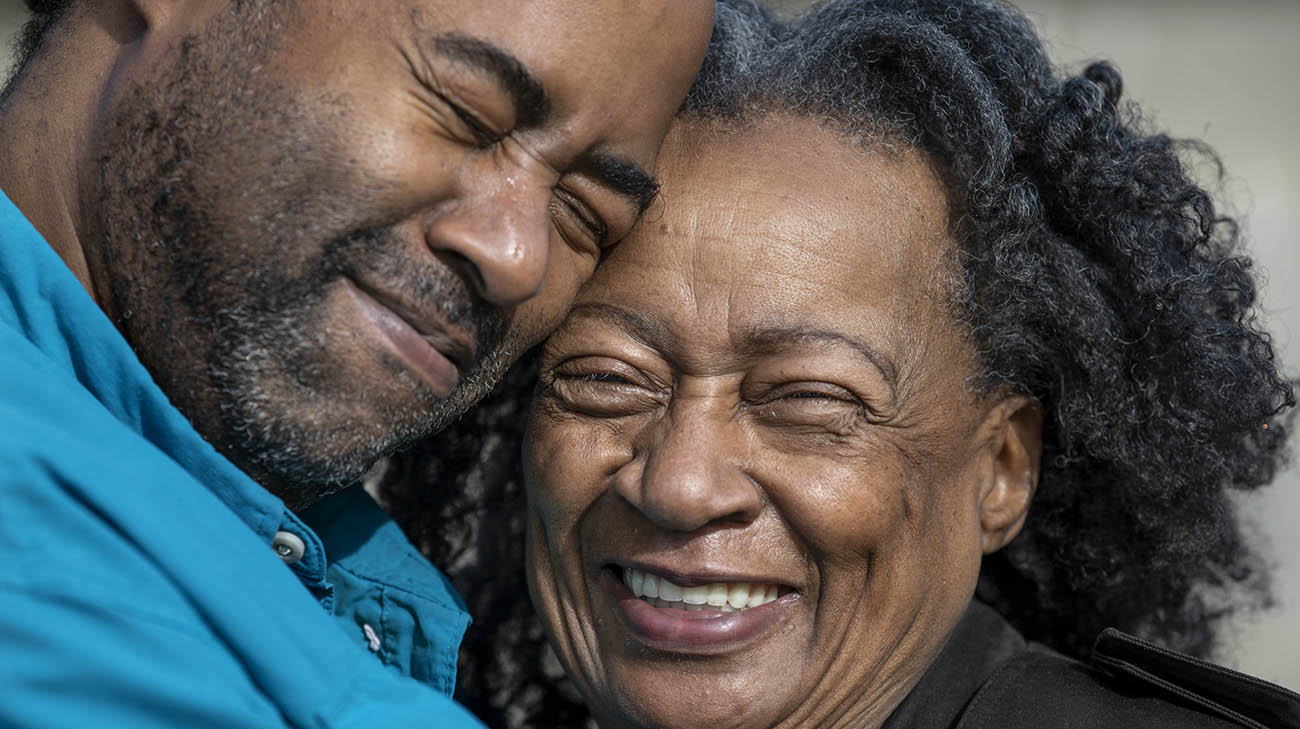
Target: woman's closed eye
(608,378)
(600,389)
(805,404)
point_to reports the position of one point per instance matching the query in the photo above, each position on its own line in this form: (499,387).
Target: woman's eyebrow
(650,332)
(532,105)
(778,338)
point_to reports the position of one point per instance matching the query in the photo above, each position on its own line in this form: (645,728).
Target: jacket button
(288,546)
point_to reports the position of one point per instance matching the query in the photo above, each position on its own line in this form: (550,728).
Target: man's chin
(301,481)
(304,440)
(303,459)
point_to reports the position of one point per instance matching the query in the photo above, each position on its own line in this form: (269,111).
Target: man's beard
(266,362)
(228,214)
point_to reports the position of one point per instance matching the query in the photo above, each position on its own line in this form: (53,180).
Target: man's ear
(155,13)
(127,20)
(1016,447)
(152,13)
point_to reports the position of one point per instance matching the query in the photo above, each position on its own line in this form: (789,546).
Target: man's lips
(437,351)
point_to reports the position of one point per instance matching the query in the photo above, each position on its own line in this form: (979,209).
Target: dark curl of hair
(44,14)
(1096,276)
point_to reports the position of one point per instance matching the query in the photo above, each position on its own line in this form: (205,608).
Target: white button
(372,638)
(288,546)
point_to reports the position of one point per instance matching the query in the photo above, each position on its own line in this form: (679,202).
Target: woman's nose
(496,232)
(693,473)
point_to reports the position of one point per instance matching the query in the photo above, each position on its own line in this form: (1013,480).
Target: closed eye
(480,131)
(810,395)
(598,377)
(594,386)
(573,210)
(812,408)
(831,394)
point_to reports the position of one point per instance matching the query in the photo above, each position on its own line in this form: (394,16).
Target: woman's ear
(1016,449)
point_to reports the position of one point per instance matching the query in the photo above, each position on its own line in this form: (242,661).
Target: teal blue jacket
(145,581)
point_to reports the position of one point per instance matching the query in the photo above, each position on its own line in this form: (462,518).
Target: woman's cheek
(542,468)
(561,482)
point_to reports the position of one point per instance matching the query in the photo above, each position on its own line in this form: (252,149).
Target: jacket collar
(981,642)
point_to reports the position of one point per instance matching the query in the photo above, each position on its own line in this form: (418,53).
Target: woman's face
(758,410)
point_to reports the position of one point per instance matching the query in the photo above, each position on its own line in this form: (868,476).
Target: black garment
(989,677)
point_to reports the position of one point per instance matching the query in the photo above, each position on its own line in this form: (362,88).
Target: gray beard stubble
(200,264)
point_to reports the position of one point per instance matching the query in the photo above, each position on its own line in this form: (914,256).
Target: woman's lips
(694,628)
(417,350)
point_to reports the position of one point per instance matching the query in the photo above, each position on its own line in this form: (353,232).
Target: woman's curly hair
(1096,276)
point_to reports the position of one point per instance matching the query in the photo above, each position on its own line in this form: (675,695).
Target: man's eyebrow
(627,178)
(532,105)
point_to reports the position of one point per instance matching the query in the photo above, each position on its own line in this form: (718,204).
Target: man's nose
(693,473)
(496,231)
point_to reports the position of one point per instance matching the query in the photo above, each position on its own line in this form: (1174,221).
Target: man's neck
(47,120)
(38,176)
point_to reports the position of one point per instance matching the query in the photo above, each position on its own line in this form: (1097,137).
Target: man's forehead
(541,22)
(568,37)
(607,75)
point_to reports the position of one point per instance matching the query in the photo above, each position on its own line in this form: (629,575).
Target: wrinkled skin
(765,384)
(327,227)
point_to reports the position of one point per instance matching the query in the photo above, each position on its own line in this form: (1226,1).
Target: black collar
(981,642)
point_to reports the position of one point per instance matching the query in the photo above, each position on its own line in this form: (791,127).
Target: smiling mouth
(451,343)
(726,597)
(433,350)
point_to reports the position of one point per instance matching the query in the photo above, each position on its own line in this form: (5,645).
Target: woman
(916,321)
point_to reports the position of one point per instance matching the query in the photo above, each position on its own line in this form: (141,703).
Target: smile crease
(724,597)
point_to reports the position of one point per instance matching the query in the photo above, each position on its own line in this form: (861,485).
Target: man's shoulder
(66,468)
(83,492)
(1127,683)
(56,433)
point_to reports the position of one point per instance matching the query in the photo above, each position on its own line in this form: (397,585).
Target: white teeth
(695,595)
(717,594)
(669,592)
(720,596)
(738,594)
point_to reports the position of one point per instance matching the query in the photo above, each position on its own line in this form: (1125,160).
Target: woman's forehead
(784,217)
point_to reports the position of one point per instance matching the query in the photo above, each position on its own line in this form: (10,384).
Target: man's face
(326,228)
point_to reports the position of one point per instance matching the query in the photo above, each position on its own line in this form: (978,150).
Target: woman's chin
(697,695)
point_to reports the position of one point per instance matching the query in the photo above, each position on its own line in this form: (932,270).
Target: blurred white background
(1225,72)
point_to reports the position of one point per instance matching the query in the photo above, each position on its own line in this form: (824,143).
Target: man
(249,247)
